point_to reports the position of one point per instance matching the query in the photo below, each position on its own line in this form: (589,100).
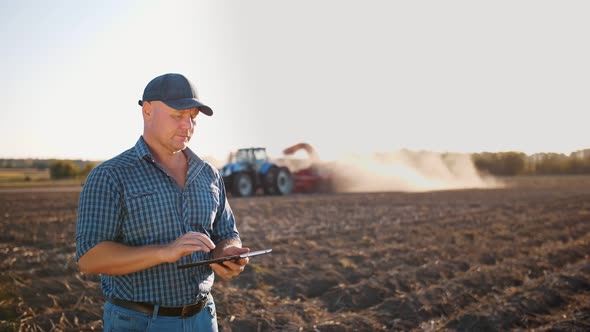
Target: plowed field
(465,260)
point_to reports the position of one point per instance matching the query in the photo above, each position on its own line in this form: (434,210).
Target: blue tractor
(249,170)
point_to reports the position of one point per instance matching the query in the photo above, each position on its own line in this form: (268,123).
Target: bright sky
(344,76)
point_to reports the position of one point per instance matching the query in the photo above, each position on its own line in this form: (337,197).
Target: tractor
(249,170)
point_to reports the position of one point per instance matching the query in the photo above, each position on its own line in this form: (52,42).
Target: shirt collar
(142,149)
(143,152)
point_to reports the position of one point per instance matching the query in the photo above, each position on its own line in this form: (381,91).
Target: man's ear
(147,109)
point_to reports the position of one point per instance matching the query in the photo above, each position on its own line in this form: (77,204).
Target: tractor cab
(255,157)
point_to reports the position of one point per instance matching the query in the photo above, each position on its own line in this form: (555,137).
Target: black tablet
(226,258)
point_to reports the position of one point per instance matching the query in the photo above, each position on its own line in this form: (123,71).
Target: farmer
(152,208)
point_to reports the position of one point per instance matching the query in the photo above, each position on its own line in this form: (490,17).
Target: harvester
(315,176)
(249,170)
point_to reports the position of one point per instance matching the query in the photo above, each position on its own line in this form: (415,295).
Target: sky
(344,76)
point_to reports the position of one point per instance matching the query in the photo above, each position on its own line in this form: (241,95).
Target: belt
(147,308)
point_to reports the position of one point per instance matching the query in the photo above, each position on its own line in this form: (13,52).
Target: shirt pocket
(149,218)
(204,204)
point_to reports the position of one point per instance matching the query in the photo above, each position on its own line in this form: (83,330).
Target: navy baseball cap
(175,91)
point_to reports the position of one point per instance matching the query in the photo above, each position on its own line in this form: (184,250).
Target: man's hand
(185,245)
(229,269)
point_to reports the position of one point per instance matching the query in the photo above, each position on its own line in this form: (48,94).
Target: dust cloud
(404,170)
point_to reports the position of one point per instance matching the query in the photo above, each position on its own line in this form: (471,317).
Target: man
(152,208)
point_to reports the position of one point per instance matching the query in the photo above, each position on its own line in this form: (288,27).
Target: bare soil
(515,258)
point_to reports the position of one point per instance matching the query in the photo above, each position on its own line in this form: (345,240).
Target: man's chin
(179,146)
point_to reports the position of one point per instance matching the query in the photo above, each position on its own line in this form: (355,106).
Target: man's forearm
(115,258)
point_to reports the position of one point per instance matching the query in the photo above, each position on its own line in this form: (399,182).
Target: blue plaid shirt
(131,199)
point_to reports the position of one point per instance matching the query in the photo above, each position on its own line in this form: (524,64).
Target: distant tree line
(25,163)
(64,169)
(518,163)
(39,164)
(58,169)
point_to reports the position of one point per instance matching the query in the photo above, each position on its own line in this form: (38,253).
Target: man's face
(172,129)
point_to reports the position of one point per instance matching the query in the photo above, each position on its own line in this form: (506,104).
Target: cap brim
(184,103)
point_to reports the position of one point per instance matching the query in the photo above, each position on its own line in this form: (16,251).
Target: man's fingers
(221,271)
(236,264)
(235,267)
(190,247)
(185,245)
(243,261)
(193,241)
(197,239)
(193,246)
(230,265)
(203,238)
(226,270)
(235,251)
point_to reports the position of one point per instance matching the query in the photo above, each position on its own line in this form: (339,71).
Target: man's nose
(187,123)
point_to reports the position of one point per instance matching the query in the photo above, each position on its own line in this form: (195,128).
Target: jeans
(116,319)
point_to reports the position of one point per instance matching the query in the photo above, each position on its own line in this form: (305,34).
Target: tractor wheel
(278,181)
(284,182)
(270,180)
(242,185)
